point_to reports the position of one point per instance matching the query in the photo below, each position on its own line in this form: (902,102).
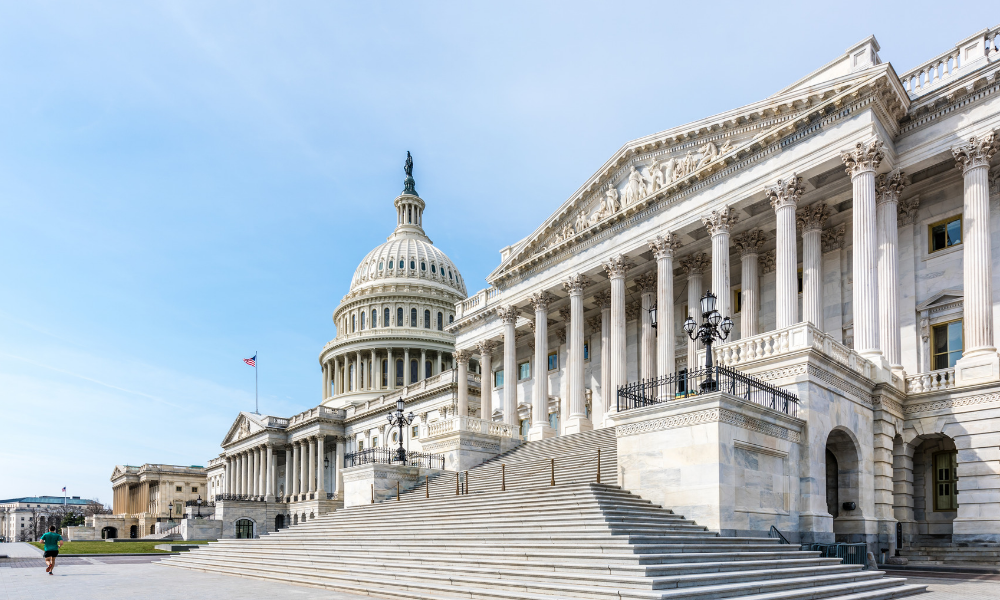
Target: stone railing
(785,341)
(470,424)
(942,379)
(312,413)
(479,301)
(955,62)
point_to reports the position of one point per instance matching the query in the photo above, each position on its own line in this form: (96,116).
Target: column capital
(617,266)
(833,239)
(540,301)
(462,356)
(594,323)
(866,156)
(977,152)
(811,218)
(786,192)
(720,221)
(906,210)
(603,299)
(564,313)
(576,284)
(508,313)
(888,186)
(749,242)
(646,283)
(486,347)
(695,264)
(663,246)
(766,262)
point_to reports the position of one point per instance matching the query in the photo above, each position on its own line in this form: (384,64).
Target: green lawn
(102,547)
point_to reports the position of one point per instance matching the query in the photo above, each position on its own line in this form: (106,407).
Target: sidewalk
(20,550)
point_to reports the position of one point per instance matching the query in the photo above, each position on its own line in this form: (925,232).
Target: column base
(977,366)
(540,431)
(578,425)
(269,498)
(883,370)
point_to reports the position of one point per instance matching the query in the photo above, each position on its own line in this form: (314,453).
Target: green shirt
(51,540)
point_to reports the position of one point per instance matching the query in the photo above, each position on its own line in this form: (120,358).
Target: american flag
(64,490)
(251,361)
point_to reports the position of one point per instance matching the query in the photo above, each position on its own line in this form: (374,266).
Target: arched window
(385,373)
(433,268)
(350,379)
(399,371)
(427,369)
(401,263)
(409,214)
(374,318)
(354,323)
(391,263)
(440,321)
(413,317)
(385,318)
(427,319)
(413,370)
(380,263)
(449,273)
(451,319)
(362,321)
(423,266)
(399,317)
(413,265)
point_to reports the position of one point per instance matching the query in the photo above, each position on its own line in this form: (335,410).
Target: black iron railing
(240,497)
(685,384)
(195,503)
(388,456)
(775,534)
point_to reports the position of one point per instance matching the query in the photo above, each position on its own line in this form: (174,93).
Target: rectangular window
(737,301)
(525,426)
(524,371)
(194,490)
(375,441)
(945,481)
(361,445)
(554,421)
(945,234)
(553,361)
(498,379)
(415,431)
(946,344)
(586,351)
(180,489)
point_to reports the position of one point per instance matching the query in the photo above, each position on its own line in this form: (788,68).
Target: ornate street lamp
(713,327)
(198,501)
(397,418)
(170,512)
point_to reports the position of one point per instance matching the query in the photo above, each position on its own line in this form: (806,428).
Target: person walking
(53,541)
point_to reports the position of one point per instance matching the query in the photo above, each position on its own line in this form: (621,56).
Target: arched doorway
(109,533)
(133,532)
(279,522)
(152,529)
(244,529)
(295,519)
(843,482)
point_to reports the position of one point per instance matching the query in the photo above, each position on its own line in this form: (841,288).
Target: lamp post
(198,502)
(170,512)
(397,418)
(713,327)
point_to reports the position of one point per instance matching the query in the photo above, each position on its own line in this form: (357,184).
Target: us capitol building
(845,225)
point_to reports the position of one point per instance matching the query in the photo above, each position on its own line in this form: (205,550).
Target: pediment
(119,471)
(942,298)
(244,426)
(662,165)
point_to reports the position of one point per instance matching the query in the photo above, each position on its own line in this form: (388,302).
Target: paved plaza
(22,577)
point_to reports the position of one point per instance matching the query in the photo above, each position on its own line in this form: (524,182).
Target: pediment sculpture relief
(244,430)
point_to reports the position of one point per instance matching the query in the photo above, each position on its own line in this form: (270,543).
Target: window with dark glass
(423,266)
(362,321)
(413,317)
(524,371)
(399,371)
(427,319)
(399,317)
(451,319)
(374,318)
(385,318)
(553,361)
(413,264)
(945,234)
(586,351)
(427,369)
(413,370)
(354,323)
(433,268)
(401,264)
(737,301)
(946,344)
(440,321)
(945,481)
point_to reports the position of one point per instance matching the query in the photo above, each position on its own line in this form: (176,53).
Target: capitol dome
(406,256)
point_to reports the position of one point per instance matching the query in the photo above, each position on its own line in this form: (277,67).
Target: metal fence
(685,384)
(850,554)
(388,456)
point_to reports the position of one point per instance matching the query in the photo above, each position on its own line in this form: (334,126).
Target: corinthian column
(979,361)
(577,420)
(694,266)
(292,475)
(508,314)
(616,269)
(462,360)
(887,190)
(810,220)
(784,196)
(540,428)
(749,244)
(647,335)
(719,223)
(663,251)
(269,465)
(861,165)
(486,386)
(603,300)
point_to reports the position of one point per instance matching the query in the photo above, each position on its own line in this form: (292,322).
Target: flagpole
(256,402)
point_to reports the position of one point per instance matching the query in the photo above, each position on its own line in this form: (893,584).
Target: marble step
(430,585)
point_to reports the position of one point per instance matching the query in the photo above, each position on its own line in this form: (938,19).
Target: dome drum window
(423,266)
(413,265)
(413,317)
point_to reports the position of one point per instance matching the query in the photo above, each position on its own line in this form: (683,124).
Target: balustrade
(942,379)
(950,63)
(470,424)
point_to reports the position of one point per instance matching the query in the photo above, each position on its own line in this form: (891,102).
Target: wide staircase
(938,550)
(535,541)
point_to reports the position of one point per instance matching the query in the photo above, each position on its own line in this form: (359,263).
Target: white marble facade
(848,224)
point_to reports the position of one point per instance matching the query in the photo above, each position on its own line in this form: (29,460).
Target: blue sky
(185,183)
